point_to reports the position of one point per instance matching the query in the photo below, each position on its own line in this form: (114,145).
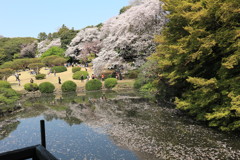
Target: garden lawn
(26,76)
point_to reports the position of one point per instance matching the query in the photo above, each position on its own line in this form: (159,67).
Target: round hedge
(59,69)
(5,84)
(31,87)
(77,75)
(46,87)
(110,83)
(93,84)
(75,69)
(69,86)
(40,76)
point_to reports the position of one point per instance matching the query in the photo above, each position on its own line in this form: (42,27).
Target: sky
(27,18)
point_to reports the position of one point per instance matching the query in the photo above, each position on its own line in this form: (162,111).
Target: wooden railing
(37,152)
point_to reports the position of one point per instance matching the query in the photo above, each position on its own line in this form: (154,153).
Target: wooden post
(43,136)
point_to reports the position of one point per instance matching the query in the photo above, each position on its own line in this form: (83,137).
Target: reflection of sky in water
(66,142)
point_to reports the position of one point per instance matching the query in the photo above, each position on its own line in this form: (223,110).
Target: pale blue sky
(27,18)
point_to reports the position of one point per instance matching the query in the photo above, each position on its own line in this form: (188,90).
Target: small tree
(36,66)
(5,73)
(42,36)
(59,61)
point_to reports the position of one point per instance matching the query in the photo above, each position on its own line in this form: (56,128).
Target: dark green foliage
(5,84)
(59,69)
(66,35)
(133,74)
(137,84)
(31,87)
(99,26)
(198,61)
(40,76)
(69,86)
(124,9)
(11,46)
(75,69)
(77,75)
(42,36)
(110,83)
(8,96)
(93,85)
(46,87)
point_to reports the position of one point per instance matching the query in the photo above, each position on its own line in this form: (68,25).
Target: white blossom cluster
(43,46)
(81,42)
(125,40)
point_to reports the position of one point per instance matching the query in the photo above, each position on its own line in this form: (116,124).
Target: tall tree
(198,60)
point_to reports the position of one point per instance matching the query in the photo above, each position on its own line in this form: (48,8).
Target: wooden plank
(19,154)
(43,154)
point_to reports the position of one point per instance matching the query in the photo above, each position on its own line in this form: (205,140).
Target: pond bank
(131,122)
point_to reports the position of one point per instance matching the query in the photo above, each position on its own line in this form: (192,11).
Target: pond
(113,126)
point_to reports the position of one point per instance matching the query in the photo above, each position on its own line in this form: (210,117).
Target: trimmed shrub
(69,86)
(93,84)
(40,76)
(46,87)
(5,84)
(77,75)
(110,83)
(133,74)
(75,69)
(31,87)
(59,69)
(8,96)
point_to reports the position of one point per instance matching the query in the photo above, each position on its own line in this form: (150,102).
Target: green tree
(11,46)
(42,36)
(36,66)
(54,51)
(54,60)
(198,60)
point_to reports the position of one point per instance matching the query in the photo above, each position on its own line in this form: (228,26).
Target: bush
(59,69)
(69,86)
(31,87)
(75,69)
(133,74)
(46,87)
(137,84)
(8,96)
(110,83)
(93,84)
(40,76)
(5,84)
(77,75)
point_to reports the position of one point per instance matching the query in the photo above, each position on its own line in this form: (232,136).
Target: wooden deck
(37,152)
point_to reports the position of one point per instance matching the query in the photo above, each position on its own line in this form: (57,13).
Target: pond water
(113,126)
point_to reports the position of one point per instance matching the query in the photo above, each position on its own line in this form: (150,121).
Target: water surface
(114,126)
